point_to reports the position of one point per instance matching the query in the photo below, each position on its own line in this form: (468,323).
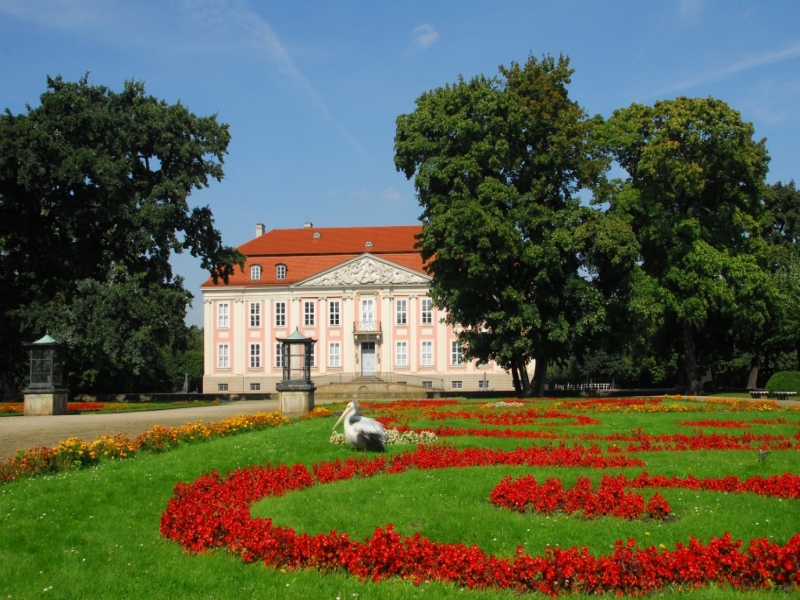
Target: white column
(295,315)
(322,343)
(387,326)
(238,337)
(209,331)
(413,344)
(348,344)
(442,348)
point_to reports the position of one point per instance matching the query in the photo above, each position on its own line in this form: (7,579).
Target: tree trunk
(515,378)
(752,380)
(525,382)
(539,376)
(693,386)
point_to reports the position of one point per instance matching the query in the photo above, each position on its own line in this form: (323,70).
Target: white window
(308,312)
(333,313)
(427,384)
(279,355)
(222,314)
(401,354)
(280,314)
(334,355)
(222,387)
(456,385)
(427,311)
(280,271)
(367,314)
(483,384)
(255,387)
(223,359)
(427,353)
(456,353)
(255,314)
(255,272)
(255,356)
(402,312)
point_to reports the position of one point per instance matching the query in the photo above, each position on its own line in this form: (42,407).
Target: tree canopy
(94,188)
(694,198)
(515,256)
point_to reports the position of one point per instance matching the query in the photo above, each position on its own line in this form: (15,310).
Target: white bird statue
(362,432)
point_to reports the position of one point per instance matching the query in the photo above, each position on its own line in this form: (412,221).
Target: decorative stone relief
(366,271)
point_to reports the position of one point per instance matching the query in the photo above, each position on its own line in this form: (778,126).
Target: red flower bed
(610,499)
(733,424)
(85,405)
(213,512)
(613,402)
(638,441)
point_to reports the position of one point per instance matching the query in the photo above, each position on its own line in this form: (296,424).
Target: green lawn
(94,533)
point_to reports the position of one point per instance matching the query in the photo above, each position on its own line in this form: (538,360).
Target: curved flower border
(214,512)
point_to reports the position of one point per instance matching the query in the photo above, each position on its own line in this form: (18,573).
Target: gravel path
(23,433)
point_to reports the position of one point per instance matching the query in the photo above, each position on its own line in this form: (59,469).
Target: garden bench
(759,394)
(785,395)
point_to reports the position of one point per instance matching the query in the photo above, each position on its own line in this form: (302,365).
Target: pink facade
(362,295)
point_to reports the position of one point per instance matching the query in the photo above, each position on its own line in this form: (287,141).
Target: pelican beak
(344,414)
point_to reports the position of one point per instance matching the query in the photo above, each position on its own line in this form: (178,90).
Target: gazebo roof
(296,337)
(45,340)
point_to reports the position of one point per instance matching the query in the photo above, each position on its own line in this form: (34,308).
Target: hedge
(784,381)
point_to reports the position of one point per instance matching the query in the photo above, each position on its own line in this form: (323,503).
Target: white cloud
(690,8)
(190,26)
(425,35)
(389,198)
(749,62)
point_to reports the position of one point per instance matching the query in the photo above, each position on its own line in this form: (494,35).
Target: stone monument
(46,393)
(296,391)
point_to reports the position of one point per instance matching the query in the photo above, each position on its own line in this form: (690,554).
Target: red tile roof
(305,255)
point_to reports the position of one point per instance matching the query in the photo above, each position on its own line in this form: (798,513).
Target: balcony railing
(366,327)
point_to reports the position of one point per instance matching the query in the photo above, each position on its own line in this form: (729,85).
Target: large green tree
(93,200)
(516,259)
(693,196)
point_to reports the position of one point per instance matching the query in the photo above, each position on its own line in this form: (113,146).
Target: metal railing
(366,326)
(582,386)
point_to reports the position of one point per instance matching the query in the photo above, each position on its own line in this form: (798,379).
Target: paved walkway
(23,433)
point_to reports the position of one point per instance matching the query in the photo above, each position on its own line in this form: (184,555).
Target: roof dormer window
(255,272)
(280,272)
(316,235)
(368,244)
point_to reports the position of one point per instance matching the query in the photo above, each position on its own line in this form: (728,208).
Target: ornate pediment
(366,270)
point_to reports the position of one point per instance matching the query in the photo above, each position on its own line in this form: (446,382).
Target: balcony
(367,330)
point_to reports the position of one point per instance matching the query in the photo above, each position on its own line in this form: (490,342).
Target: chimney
(259,229)
(308,225)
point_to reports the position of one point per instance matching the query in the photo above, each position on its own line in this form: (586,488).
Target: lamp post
(46,393)
(296,390)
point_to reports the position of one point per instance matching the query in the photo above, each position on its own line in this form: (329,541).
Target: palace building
(360,292)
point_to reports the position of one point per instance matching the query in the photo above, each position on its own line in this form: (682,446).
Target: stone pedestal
(40,402)
(296,402)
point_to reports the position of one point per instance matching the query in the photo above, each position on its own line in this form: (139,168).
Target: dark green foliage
(784,381)
(693,197)
(517,261)
(93,200)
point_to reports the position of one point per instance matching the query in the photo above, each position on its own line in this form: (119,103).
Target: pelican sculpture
(362,432)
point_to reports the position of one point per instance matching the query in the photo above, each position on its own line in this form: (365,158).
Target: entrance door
(367,358)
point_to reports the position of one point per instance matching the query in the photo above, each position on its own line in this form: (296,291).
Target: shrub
(784,381)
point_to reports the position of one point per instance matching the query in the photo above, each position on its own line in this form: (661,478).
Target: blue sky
(311,90)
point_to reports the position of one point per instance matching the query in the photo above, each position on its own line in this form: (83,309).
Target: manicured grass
(94,533)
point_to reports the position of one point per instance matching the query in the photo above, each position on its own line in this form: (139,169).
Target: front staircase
(372,387)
